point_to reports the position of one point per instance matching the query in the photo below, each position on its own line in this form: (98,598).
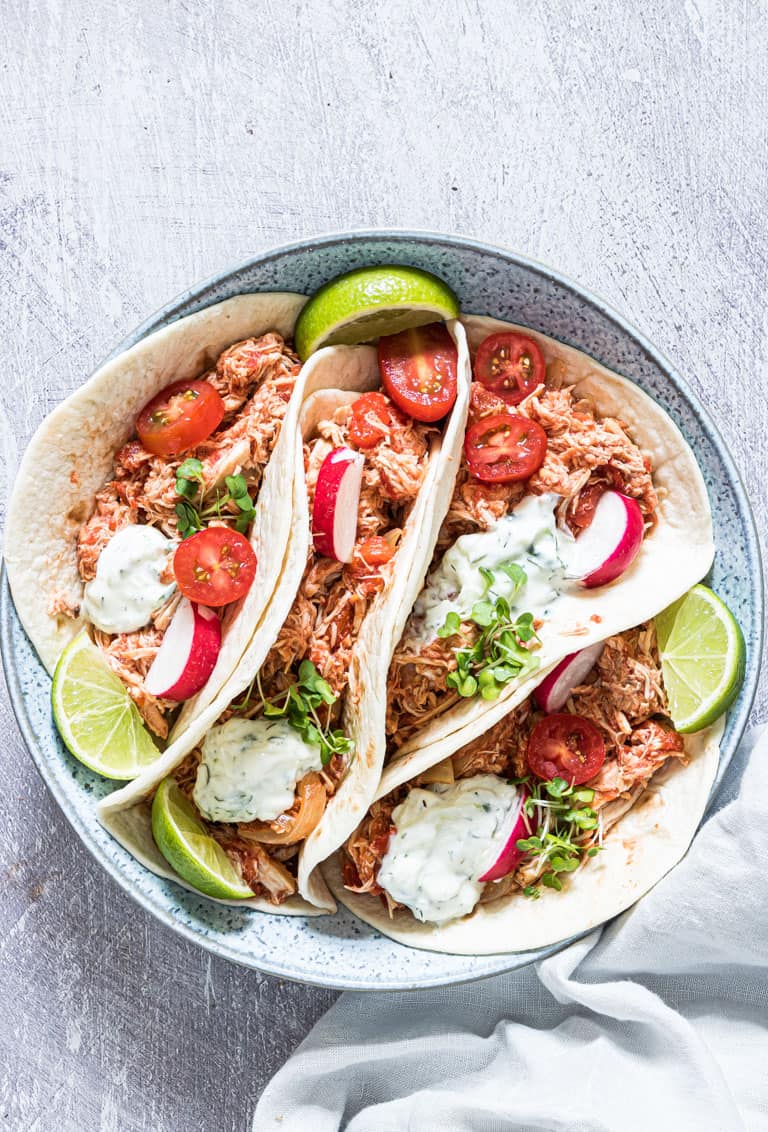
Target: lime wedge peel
(370,302)
(189,849)
(703,658)
(96,718)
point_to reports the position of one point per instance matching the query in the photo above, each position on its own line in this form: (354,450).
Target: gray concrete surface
(146,145)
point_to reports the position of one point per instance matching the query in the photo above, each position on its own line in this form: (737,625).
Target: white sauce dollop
(250,768)
(127,588)
(446,837)
(528,537)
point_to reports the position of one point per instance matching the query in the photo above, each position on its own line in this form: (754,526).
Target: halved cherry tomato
(214,566)
(179,417)
(565,746)
(510,364)
(505,448)
(418,368)
(370,421)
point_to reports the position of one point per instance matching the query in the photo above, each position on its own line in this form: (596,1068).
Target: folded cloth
(658,1022)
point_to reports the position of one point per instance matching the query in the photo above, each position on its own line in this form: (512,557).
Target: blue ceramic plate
(340,951)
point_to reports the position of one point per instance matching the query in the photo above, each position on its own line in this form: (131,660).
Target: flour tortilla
(72,455)
(674,556)
(638,851)
(333,376)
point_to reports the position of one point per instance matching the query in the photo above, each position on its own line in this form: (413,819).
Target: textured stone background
(145,145)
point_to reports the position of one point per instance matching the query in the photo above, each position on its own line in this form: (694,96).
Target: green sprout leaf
(451,625)
(237,487)
(490,692)
(550,881)
(462,682)
(188,520)
(515,573)
(311,681)
(300,707)
(190,469)
(484,613)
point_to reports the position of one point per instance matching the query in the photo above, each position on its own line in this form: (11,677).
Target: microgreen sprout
(299,705)
(499,654)
(194,510)
(565,828)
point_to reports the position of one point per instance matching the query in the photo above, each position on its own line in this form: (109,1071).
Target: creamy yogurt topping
(127,588)
(446,837)
(250,768)
(527,537)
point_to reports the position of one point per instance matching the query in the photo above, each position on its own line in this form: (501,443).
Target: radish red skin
(335,506)
(554,690)
(202,652)
(510,856)
(622,551)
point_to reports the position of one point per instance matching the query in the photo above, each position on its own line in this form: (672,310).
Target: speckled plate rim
(197,297)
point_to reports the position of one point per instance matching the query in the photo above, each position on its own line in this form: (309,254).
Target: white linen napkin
(658,1022)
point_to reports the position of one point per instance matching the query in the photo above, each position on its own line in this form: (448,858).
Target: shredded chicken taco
(577,507)
(542,826)
(159,521)
(286,742)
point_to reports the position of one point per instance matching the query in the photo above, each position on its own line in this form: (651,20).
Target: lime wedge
(370,302)
(96,717)
(702,657)
(189,849)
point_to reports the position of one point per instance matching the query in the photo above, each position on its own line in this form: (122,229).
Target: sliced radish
(510,856)
(337,495)
(610,543)
(554,690)
(188,654)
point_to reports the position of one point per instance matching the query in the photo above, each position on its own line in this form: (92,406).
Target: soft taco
(172,446)
(578,511)
(541,827)
(285,751)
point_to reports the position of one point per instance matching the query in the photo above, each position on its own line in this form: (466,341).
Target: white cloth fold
(658,1022)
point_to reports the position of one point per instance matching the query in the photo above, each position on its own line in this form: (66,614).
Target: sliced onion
(297,825)
(441,772)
